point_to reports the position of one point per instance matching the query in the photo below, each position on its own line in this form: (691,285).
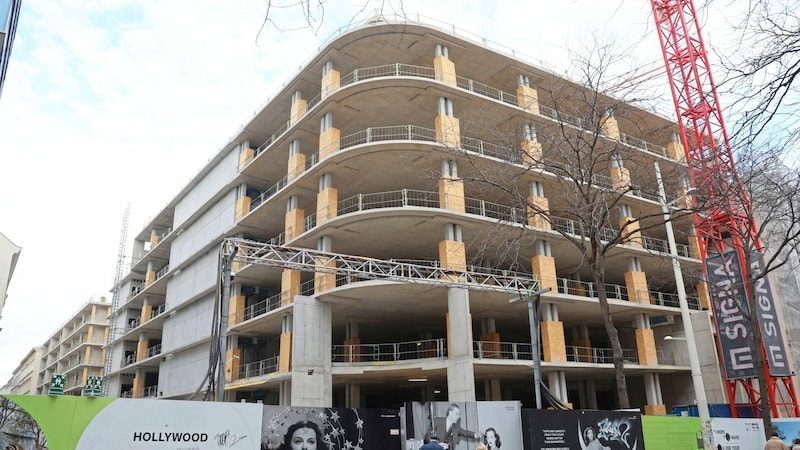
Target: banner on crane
(729,299)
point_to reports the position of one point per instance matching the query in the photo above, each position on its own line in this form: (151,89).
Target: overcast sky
(114,102)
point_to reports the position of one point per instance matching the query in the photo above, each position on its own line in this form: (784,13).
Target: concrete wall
(206,188)
(199,277)
(189,325)
(207,228)
(183,372)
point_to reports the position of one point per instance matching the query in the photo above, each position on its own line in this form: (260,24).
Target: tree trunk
(613,337)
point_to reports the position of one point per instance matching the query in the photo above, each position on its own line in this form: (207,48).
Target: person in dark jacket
(433,444)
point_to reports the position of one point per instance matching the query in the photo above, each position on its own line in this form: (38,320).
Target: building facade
(24,380)
(76,349)
(405,142)
(9,255)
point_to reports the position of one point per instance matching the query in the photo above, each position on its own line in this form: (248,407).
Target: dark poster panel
(728,298)
(464,425)
(771,335)
(330,428)
(582,430)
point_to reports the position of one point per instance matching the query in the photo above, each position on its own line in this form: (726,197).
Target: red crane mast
(711,170)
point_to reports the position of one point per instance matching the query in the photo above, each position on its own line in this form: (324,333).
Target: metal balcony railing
(258,368)
(595,355)
(502,350)
(153,351)
(150,391)
(390,352)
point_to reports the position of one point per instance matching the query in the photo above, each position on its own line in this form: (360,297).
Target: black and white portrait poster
(464,425)
(582,429)
(311,428)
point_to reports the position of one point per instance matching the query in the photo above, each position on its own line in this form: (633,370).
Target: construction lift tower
(726,231)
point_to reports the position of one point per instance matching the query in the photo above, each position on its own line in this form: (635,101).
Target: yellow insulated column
(324,277)
(290,285)
(297,161)
(538,207)
(327,199)
(232,363)
(645,342)
(448,129)
(527,97)
(294,219)
(554,344)
(330,79)
(609,125)
(328,136)
(452,252)
(620,176)
(141,348)
(451,188)
(636,282)
(138,384)
(246,155)
(630,229)
(444,68)
(298,107)
(236,310)
(544,266)
(147,311)
(675,150)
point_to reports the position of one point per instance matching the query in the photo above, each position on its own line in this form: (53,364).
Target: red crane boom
(727,218)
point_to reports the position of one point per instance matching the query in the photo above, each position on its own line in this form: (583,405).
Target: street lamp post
(694,359)
(534,300)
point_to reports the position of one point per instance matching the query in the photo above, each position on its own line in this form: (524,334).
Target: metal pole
(228,252)
(533,321)
(694,360)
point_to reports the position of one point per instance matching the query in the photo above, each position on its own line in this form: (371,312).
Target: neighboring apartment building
(369,150)
(9,254)
(76,349)
(25,378)
(9,16)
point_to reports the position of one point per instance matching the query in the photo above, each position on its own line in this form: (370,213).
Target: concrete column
(538,207)
(694,243)
(636,282)
(492,389)
(527,97)
(655,404)
(236,307)
(629,227)
(583,352)
(285,355)
(327,199)
(444,68)
(232,359)
(311,362)
(298,107)
(352,395)
(554,344)
(645,342)
(591,394)
(557,383)
(352,342)
(460,371)
(285,393)
(702,295)
(451,188)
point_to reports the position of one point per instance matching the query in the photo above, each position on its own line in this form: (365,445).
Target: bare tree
(589,170)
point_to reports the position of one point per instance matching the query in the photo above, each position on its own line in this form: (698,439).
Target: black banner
(585,430)
(771,335)
(729,301)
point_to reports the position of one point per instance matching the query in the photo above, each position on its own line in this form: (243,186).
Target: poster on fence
(737,434)
(582,429)
(464,425)
(288,427)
